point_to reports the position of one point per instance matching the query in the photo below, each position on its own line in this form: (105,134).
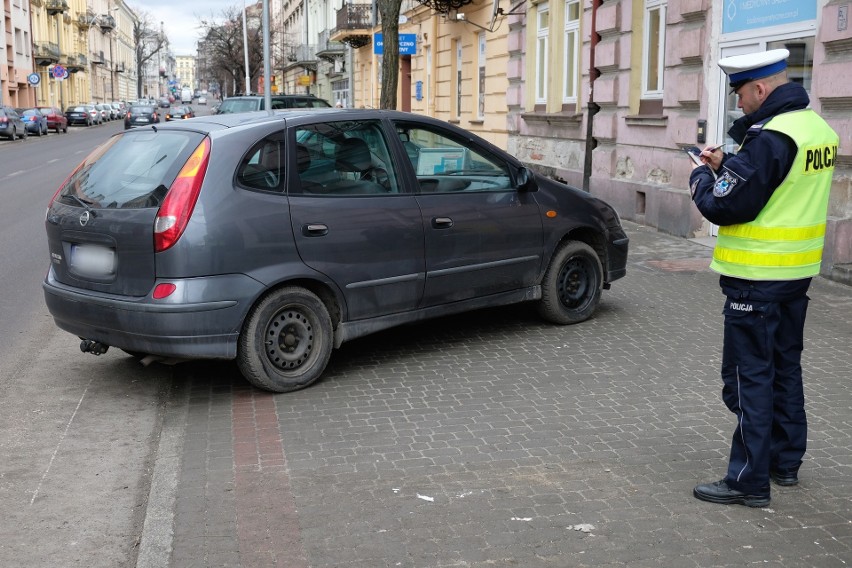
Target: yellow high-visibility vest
(786,239)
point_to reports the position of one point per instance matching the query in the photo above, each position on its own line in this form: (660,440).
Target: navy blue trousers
(762,375)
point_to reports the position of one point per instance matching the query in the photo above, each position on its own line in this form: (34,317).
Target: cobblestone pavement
(493,439)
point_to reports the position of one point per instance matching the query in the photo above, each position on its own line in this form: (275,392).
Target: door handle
(441,222)
(315,230)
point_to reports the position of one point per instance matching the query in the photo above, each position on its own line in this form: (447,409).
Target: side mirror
(526,180)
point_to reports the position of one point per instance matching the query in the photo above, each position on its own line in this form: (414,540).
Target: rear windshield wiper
(84,204)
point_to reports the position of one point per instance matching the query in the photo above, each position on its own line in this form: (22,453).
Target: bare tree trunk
(389,10)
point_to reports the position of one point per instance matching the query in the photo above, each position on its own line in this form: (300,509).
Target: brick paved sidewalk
(493,439)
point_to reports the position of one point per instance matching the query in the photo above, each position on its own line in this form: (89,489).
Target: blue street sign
(407,44)
(59,72)
(33,78)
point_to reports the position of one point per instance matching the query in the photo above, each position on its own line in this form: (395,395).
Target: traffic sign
(59,72)
(33,78)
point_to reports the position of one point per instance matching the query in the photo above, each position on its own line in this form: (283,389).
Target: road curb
(155,546)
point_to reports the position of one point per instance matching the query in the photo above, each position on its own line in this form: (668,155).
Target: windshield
(130,171)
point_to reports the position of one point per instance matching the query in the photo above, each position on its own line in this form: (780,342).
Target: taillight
(177,207)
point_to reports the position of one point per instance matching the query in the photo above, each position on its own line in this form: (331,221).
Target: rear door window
(131,171)
(345,158)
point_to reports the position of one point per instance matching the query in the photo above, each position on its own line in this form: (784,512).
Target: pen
(714,148)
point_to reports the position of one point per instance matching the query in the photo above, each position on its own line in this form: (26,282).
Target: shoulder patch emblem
(725,184)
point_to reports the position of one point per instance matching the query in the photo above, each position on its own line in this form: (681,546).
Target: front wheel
(571,289)
(286,341)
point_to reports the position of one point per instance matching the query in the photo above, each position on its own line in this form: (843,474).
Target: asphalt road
(76,439)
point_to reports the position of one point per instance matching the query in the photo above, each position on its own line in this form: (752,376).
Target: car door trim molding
(481,266)
(382,281)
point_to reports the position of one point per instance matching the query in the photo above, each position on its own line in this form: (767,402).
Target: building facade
(185,71)
(17,62)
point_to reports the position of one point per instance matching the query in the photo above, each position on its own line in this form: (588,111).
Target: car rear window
(238,105)
(132,170)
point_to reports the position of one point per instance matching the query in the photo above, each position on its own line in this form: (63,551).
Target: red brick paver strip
(267,519)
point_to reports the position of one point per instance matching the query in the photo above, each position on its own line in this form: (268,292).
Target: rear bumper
(200,320)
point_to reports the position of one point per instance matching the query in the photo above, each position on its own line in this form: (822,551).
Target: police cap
(741,69)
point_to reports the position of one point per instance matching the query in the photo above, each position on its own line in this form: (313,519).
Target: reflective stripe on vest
(785,241)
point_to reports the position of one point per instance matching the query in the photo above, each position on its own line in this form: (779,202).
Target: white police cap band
(741,69)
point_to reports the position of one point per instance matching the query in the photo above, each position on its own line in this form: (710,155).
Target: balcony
(98,58)
(304,56)
(106,22)
(354,25)
(45,53)
(330,50)
(85,19)
(77,63)
(54,7)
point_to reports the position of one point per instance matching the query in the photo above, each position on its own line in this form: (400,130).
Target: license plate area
(92,260)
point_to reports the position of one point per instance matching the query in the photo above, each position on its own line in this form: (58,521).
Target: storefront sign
(743,15)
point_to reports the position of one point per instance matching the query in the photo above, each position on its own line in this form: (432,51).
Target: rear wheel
(14,134)
(571,289)
(286,341)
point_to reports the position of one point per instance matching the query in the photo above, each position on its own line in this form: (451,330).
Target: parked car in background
(272,238)
(55,119)
(202,100)
(180,112)
(141,115)
(118,109)
(11,124)
(96,114)
(249,103)
(164,102)
(80,114)
(35,122)
(105,110)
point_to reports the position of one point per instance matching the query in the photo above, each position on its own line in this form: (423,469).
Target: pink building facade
(658,89)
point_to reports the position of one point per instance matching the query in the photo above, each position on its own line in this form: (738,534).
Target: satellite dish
(495,9)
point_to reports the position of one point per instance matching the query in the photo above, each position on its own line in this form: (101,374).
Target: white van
(186,95)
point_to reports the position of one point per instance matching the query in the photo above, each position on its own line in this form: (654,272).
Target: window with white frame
(653,55)
(541,52)
(428,77)
(571,55)
(480,107)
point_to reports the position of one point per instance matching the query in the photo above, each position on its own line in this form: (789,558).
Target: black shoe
(719,492)
(784,478)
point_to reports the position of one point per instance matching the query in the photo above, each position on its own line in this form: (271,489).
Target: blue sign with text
(743,15)
(407,44)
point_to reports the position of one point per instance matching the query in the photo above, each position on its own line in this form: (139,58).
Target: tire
(64,130)
(14,134)
(571,288)
(286,341)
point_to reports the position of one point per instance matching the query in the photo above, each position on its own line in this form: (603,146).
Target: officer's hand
(712,156)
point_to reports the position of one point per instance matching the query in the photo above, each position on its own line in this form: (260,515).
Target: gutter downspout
(592,107)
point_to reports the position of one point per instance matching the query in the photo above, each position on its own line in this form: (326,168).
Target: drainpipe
(592,107)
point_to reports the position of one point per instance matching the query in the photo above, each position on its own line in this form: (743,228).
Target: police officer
(770,200)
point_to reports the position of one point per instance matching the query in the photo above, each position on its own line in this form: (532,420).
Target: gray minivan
(272,238)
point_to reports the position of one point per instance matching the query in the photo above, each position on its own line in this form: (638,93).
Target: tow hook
(93,347)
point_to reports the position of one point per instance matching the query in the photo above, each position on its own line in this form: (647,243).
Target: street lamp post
(160,63)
